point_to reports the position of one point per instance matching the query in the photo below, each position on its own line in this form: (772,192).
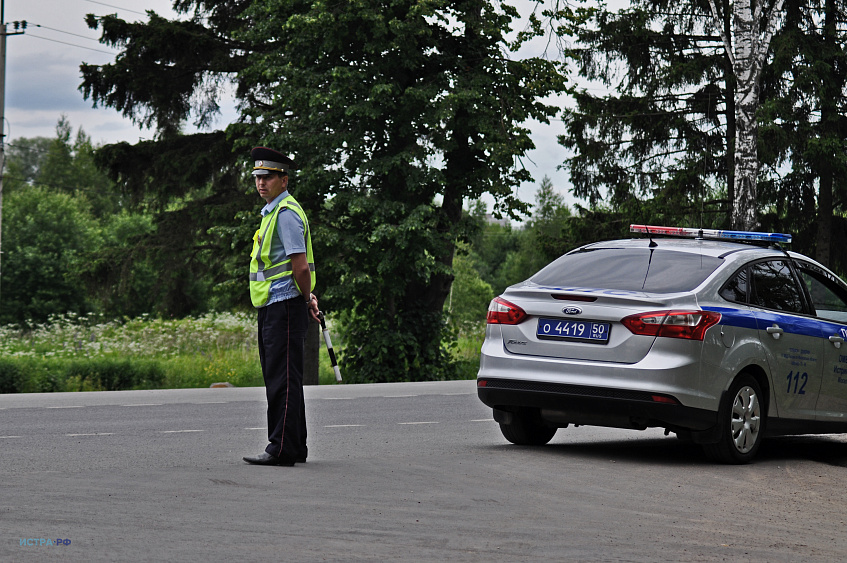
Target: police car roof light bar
(710,233)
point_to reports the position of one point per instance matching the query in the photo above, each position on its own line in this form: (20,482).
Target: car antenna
(778,246)
(652,242)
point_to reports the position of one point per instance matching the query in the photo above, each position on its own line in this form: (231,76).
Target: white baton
(329,348)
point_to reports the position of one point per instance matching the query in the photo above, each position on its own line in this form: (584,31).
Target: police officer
(282,277)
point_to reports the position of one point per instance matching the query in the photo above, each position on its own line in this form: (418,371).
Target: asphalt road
(399,472)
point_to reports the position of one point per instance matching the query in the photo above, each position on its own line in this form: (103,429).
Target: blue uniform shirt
(290,239)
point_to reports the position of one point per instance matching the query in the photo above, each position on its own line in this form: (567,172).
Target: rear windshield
(632,269)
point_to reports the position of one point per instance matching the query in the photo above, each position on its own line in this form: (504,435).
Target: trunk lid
(569,314)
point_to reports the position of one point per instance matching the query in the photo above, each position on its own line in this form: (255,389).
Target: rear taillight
(690,325)
(501,312)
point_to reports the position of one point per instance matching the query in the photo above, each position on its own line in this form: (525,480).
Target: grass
(467,350)
(76,353)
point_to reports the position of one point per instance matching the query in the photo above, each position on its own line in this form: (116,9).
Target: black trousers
(282,339)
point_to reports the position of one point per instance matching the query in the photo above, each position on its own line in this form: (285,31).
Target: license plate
(581,331)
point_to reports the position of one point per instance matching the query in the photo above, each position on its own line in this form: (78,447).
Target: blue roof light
(711,233)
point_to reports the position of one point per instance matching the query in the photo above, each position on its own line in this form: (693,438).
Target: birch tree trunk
(744,212)
(747,47)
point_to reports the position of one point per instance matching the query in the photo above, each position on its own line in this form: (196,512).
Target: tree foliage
(469,294)
(197,200)
(46,236)
(661,144)
(803,131)
(491,243)
(664,132)
(504,255)
(65,228)
(23,162)
(54,199)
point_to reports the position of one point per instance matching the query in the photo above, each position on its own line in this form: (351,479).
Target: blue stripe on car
(790,323)
(734,317)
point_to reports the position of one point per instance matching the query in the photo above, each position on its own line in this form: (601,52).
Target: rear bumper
(561,404)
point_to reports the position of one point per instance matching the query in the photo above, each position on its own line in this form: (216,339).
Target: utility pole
(19,29)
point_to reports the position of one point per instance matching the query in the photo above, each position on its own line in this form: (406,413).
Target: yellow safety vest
(262,272)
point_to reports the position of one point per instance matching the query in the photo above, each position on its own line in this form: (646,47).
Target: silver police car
(722,338)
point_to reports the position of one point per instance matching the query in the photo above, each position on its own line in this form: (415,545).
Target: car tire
(741,423)
(527,429)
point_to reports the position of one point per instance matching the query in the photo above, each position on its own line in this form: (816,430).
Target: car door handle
(837,340)
(775,331)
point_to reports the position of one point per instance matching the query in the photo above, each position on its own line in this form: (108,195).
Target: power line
(116,7)
(65,32)
(71,44)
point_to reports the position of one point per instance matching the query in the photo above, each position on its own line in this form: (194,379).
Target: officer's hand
(313,307)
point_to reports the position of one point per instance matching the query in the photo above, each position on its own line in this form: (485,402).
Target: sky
(43,77)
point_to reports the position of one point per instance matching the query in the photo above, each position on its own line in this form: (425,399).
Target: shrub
(113,375)
(24,375)
(10,377)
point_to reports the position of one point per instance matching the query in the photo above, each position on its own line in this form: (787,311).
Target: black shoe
(265,458)
(301,459)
